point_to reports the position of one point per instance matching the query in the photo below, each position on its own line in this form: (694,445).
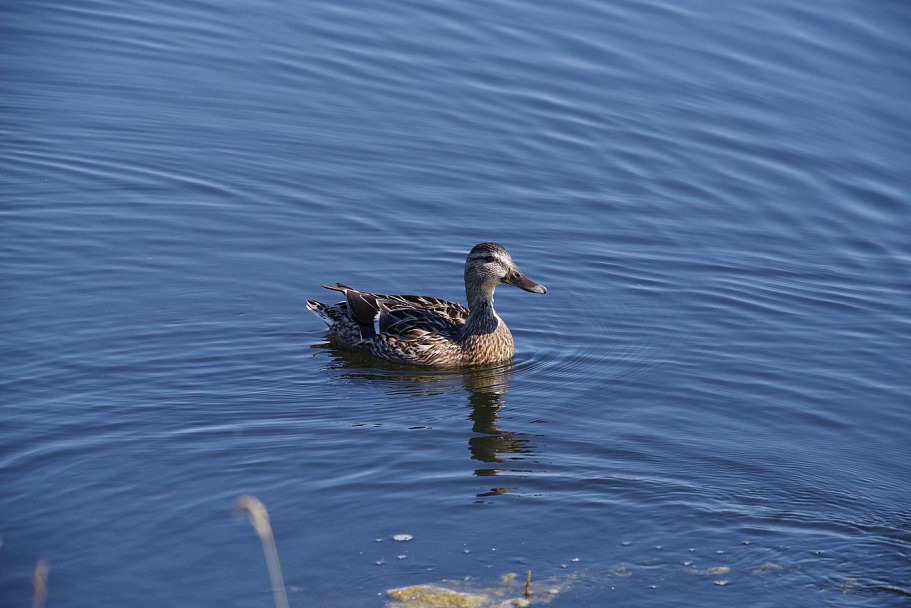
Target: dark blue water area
(710,406)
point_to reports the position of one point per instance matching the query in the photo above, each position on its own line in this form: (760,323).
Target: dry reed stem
(259,518)
(39,581)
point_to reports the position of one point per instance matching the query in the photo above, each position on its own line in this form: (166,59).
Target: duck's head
(488,265)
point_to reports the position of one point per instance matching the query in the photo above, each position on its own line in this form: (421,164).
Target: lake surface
(710,406)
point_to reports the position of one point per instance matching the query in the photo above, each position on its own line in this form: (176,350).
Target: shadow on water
(486,388)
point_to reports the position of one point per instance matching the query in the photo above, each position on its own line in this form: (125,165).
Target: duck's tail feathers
(338,287)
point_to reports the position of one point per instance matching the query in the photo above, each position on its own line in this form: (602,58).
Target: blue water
(709,407)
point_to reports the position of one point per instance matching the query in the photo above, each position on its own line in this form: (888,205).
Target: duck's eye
(490,259)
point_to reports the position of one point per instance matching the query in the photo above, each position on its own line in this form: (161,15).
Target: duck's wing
(405,316)
(413,323)
(456,313)
(361,307)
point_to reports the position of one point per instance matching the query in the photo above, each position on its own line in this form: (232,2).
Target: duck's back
(419,330)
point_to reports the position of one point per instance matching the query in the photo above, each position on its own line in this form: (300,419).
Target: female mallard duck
(418,330)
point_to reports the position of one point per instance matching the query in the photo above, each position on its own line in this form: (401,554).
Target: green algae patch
(511,593)
(767,567)
(430,596)
(716,571)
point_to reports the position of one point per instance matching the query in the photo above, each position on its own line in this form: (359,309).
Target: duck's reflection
(490,443)
(486,390)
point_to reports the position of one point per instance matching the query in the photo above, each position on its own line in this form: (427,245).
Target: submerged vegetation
(513,590)
(415,596)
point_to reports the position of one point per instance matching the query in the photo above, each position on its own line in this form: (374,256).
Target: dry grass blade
(39,581)
(259,517)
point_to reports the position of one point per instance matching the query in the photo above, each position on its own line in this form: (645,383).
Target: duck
(429,332)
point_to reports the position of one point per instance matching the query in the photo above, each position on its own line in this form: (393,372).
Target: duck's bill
(523,282)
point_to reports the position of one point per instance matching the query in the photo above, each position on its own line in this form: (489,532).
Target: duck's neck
(482,318)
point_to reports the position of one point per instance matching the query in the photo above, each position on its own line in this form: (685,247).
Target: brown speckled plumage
(418,330)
